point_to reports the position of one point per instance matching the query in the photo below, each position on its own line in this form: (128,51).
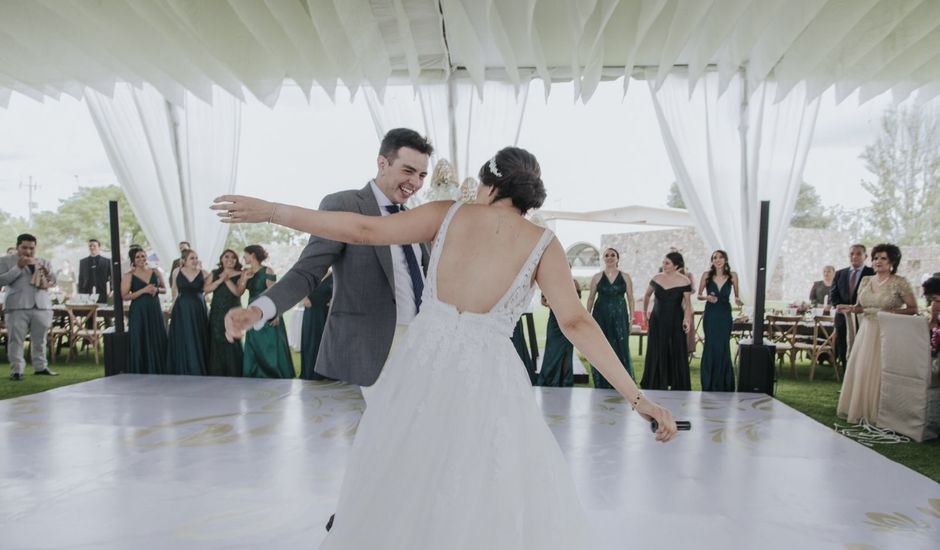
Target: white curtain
(171,162)
(467,124)
(704,133)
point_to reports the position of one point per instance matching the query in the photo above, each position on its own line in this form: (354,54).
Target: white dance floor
(186,462)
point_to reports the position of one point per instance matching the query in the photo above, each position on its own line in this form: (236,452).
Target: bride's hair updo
(516,175)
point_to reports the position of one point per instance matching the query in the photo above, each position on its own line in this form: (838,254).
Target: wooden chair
(822,343)
(781,330)
(86,331)
(61,333)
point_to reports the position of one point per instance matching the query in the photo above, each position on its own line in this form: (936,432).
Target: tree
(905,160)
(242,235)
(84,215)
(674,198)
(10,227)
(809,212)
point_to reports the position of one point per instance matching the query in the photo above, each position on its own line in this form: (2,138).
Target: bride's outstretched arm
(554,278)
(412,226)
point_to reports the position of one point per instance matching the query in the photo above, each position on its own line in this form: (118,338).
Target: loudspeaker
(756,373)
(116,353)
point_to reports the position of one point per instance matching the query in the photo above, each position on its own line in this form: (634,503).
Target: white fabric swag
(171,162)
(705,133)
(453,116)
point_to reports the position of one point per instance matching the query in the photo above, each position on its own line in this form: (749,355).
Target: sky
(606,153)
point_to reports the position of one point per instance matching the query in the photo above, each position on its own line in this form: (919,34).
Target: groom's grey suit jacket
(363,314)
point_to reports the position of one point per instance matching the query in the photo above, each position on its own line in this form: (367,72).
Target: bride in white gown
(453,451)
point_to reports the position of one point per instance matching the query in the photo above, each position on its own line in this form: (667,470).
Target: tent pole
(452,120)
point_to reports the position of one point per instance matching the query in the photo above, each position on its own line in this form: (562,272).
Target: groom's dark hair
(403,137)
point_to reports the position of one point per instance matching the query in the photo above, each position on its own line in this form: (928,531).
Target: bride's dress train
(453,451)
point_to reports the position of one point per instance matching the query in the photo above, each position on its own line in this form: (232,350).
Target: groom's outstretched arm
(307,272)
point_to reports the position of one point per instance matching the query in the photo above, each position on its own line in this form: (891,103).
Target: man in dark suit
(845,291)
(94,272)
(376,290)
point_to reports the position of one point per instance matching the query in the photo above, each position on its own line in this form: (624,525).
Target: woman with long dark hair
(667,356)
(225,358)
(715,289)
(267,354)
(611,291)
(188,339)
(146,329)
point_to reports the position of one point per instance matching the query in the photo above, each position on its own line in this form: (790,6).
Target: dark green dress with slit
(313,325)
(610,312)
(558,361)
(717,371)
(146,330)
(188,342)
(225,358)
(518,341)
(267,354)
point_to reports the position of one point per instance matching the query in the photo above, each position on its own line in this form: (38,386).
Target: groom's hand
(240,319)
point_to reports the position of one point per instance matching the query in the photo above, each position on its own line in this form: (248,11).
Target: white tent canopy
(54,47)
(633,215)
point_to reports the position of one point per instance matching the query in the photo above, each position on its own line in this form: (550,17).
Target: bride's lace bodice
(504,315)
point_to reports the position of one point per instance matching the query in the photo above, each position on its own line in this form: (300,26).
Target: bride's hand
(242,209)
(650,410)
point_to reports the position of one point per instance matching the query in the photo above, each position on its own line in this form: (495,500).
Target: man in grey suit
(28,307)
(376,290)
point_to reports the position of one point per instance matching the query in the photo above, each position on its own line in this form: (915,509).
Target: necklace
(880,282)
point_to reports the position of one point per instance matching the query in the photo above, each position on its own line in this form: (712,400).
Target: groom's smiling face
(402,175)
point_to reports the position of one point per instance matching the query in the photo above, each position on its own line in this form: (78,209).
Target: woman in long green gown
(267,354)
(316,310)
(557,362)
(188,342)
(225,358)
(522,349)
(146,330)
(611,290)
(715,288)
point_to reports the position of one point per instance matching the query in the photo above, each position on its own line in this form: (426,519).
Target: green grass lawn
(816,399)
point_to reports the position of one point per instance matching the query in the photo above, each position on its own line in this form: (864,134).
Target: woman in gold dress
(884,291)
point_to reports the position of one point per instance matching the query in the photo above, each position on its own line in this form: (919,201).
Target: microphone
(681,425)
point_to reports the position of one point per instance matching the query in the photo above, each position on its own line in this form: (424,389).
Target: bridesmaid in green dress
(667,358)
(316,310)
(188,343)
(225,358)
(715,288)
(142,286)
(522,349)
(609,287)
(267,354)
(557,363)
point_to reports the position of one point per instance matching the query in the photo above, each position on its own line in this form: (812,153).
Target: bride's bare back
(483,251)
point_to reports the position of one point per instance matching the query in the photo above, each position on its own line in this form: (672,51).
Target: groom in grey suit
(376,289)
(28,308)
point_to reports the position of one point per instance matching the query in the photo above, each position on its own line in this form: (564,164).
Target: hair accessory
(493,169)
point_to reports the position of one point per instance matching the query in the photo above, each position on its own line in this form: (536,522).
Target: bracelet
(636,400)
(273,213)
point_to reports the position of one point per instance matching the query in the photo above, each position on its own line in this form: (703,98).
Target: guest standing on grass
(188,342)
(611,292)
(225,358)
(667,358)
(28,305)
(558,361)
(316,311)
(267,354)
(142,286)
(715,289)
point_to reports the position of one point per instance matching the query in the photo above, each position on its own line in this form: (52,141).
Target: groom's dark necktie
(414,269)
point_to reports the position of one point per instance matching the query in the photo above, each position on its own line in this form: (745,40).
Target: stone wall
(801,260)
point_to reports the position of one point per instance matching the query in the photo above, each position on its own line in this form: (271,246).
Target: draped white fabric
(702,134)
(474,133)
(51,47)
(171,162)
